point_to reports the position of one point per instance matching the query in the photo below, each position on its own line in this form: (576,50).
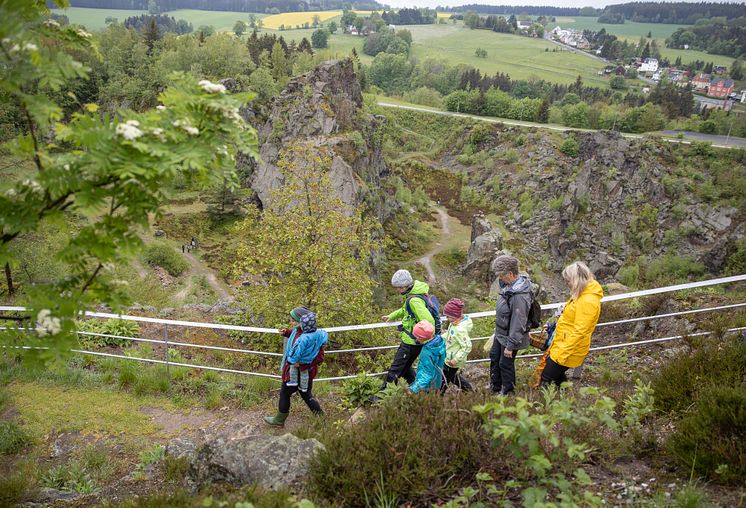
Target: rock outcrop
(322,112)
(486,242)
(274,462)
(620,199)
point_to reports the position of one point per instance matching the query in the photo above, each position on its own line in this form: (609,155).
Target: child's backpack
(433,306)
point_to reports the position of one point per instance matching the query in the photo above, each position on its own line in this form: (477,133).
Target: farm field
(632,32)
(292,19)
(94,19)
(519,57)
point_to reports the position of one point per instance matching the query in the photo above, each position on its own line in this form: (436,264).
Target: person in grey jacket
(511,323)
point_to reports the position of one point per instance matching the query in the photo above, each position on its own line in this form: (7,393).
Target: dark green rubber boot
(277,420)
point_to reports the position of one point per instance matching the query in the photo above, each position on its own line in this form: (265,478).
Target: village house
(701,81)
(720,88)
(676,75)
(720,70)
(649,65)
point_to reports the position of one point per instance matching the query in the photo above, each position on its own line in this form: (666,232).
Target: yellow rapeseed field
(293,19)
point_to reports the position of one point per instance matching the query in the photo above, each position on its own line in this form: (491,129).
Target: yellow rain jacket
(572,337)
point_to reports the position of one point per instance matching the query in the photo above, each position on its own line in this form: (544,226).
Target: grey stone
(159,233)
(274,462)
(181,448)
(47,494)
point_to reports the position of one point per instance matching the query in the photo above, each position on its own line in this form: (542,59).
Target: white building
(649,65)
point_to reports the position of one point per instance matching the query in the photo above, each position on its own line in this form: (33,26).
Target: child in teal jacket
(458,344)
(430,369)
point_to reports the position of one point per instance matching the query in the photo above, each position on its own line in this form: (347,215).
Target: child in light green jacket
(458,344)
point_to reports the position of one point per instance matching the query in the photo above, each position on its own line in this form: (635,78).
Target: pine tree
(646,51)
(542,115)
(151,34)
(305,46)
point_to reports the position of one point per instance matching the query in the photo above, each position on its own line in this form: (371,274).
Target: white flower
(160,107)
(133,123)
(83,33)
(11,193)
(46,324)
(66,167)
(128,131)
(210,87)
(158,133)
(6,40)
(28,46)
(193,131)
(16,48)
(50,23)
(233,114)
(33,185)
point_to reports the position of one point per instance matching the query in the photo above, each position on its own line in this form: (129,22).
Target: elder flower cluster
(210,87)
(129,130)
(46,324)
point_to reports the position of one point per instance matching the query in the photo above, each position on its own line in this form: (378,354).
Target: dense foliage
(685,13)
(716,36)
(531,10)
(116,170)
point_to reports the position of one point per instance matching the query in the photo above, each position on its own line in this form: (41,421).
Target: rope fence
(338,329)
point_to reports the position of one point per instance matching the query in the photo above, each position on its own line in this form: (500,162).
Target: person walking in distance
(414,309)
(511,323)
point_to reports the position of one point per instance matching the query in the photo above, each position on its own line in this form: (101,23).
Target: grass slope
(519,57)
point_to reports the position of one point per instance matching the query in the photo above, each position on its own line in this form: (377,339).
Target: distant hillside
(227,5)
(524,9)
(685,13)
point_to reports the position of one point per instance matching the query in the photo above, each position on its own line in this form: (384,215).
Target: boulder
(273,462)
(604,265)
(486,242)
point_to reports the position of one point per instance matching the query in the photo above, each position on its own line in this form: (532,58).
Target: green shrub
(692,496)
(570,147)
(737,261)
(709,438)
(423,446)
(356,391)
(166,257)
(705,387)
(673,267)
(14,486)
(118,327)
(12,438)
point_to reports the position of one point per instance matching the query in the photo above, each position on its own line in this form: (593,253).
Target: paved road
(717,141)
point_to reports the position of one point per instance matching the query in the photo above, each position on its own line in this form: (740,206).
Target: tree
(116,167)
(319,38)
(151,34)
(471,19)
(480,53)
(316,20)
(645,51)
(390,72)
(305,46)
(206,30)
(543,114)
(239,28)
(736,70)
(279,65)
(332,27)
(307,247)
(252,20)
(617,83)
(153,7)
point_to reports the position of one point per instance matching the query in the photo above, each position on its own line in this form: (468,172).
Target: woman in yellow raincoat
(572,337)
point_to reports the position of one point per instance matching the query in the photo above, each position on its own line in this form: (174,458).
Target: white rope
(624,344)
(217,326)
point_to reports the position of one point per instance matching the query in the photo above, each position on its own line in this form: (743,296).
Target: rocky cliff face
(322,110)
(618,200)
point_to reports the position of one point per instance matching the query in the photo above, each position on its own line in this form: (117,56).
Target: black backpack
(534,312)
(433,306)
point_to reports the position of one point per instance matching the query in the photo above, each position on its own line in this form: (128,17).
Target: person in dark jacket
(511,323)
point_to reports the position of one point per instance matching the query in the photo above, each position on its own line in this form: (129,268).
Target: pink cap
(423,331)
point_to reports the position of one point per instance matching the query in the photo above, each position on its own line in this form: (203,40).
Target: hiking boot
(277,420)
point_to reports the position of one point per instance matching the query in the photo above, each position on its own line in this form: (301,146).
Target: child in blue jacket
(304,350)
(433,355)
